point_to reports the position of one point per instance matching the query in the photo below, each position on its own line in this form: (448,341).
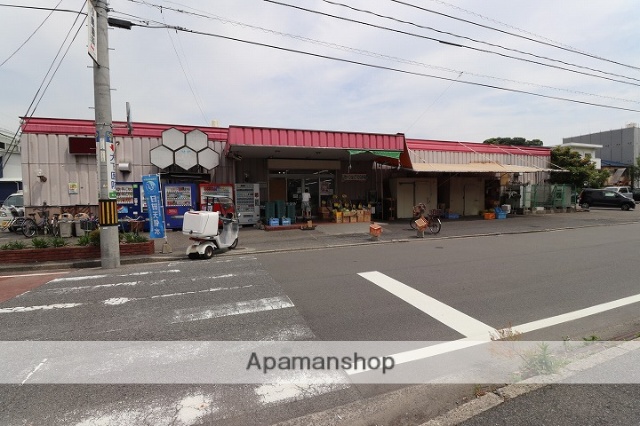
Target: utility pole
(105,144)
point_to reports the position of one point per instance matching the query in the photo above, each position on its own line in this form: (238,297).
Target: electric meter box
(200,223)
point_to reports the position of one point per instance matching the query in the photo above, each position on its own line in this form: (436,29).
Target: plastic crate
(286,221)
(501,215)
(274,221)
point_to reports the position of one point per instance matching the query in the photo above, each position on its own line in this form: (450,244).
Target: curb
(506,393)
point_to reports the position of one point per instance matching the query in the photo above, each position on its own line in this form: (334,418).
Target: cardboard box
(375,230)
(353,219)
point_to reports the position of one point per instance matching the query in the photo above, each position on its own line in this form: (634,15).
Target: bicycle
(47,226)
(433,223)
(15,223)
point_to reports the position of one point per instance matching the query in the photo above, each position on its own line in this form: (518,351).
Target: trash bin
(78,222)
(66,225)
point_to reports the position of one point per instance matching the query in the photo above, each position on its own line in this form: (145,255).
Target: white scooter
(203,228)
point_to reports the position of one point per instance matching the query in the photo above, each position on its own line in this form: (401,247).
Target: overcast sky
(413,84)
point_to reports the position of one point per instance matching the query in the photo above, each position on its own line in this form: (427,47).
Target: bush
(58,242)
(13,245)
(130,238)
(94,237)
(40,242)
(84,240)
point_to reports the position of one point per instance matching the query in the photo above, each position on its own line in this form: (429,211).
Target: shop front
(333,170)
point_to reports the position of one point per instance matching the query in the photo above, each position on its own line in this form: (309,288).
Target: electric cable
(451,44)
(472,39)
(32,34)
(203,14)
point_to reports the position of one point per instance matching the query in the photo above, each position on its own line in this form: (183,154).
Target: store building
(385,172)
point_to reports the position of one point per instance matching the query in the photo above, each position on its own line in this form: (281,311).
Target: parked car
(636,194)
(604,198)
(17,200)
(624,190)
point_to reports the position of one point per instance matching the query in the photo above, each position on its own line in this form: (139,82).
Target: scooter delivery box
(200,223)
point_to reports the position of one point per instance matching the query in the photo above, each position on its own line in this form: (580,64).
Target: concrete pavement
(253,240)
(325,235)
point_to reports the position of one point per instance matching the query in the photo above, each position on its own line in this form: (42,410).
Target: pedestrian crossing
(217,300)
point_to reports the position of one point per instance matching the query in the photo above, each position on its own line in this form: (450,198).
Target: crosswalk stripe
(230,309)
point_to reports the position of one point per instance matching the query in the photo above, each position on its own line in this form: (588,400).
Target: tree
(513,141)
(581,172)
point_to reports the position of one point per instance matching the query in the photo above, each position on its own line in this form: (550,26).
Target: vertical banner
(92,42)
(153,197)
(110,147)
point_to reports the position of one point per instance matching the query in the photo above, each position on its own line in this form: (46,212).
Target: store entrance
(320,186)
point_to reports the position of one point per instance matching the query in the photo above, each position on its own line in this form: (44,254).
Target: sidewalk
(325,235)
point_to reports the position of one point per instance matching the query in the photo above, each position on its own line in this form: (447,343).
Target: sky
(453,70)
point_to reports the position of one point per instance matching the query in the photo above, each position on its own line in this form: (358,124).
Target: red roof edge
(59,126)
(454,146)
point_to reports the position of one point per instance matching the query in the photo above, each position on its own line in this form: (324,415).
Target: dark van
(604,198)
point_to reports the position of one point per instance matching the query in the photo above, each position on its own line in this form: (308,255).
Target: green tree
(513,141)
(580,171)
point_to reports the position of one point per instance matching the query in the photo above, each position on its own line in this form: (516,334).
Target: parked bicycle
(14,224)
(43,225)
(433,223)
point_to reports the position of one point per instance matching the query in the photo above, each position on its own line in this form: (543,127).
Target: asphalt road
(471,285)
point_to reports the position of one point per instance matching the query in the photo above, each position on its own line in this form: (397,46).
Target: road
(420,290)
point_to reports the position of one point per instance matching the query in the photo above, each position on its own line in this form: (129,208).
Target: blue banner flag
(153,197)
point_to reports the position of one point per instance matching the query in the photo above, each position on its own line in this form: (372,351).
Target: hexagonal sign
(197,140)
(208,158)
(173,139)
(186,158)
(161,157)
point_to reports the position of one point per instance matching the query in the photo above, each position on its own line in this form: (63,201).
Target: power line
(42,8)
(32,34)
(381,67)
(14,142)
(557,46)
(203,14)
(401,21)
(449,43)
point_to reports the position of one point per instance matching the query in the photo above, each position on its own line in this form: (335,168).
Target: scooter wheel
(208,252)
(234,245)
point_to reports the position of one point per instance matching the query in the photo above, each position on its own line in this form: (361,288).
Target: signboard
(359,177)
(153,198)
(92,26)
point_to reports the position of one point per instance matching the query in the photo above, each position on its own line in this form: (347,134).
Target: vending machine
(248,203)
(131,202)
(178,199)
(208,190)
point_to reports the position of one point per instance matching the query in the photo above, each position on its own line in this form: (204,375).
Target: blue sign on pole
(153,197)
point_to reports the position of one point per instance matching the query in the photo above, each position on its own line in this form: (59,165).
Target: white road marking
(88,287)
(479,339)
(462,323)
(88,277)
(117,301)
(33,371)
(229,309)
(34,274)
(580,313)
(39,308)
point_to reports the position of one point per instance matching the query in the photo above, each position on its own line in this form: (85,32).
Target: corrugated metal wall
(50,155)
(454,157)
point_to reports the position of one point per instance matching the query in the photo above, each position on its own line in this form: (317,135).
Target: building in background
(617,149)
(10,165)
